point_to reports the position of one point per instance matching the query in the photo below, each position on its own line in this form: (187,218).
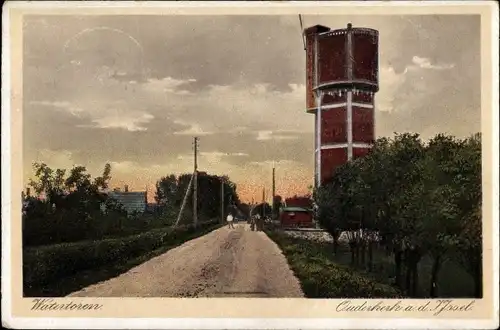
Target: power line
(302,31)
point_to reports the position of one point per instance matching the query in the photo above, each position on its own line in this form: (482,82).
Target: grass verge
(57,270)
(320,277)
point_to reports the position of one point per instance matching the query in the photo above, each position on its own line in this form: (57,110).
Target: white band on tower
(318,138)
(318,97)
(349,125)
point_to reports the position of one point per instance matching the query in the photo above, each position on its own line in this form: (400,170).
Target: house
(131,201)
(295,216)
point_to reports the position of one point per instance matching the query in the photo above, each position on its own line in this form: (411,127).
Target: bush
(45,264)
(322,278)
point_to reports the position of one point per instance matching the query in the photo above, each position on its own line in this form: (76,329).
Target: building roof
(316,29)
(131,201)
(295,209)
(127,194)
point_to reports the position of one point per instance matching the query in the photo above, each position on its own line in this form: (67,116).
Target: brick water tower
(341,82)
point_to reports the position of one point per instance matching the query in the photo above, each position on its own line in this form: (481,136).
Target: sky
(133,91)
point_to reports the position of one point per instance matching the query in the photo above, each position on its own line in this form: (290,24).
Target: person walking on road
(257,221)
(230,221)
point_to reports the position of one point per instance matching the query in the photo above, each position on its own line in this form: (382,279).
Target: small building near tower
(295,216)
(297,212)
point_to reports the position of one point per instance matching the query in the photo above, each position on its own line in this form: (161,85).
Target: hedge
(320,277)
(45,264)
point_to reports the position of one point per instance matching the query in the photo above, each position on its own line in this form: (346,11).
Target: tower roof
(316,29)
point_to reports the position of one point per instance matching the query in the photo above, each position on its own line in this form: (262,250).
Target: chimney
(126,188)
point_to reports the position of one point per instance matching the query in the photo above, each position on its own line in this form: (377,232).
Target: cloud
(281,162)
(239,108)
(425,63)
(110,104)
(219,154)
(60,106)
(416,77)
(212,156)
(127,122)
(193,130)
(109,118)
(390,82)
(105,100)
(270,135)
(56,158)
(126,167)
(168,85)
(264,135)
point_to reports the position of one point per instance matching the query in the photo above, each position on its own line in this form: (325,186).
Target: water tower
(341,82)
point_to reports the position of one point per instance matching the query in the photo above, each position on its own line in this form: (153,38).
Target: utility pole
(263,202)
(195,183)
(222,200)
(184,201)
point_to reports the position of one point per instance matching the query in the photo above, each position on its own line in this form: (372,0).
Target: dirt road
(224,263)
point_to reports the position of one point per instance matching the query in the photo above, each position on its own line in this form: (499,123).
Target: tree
(329,210)
(170,192)
(467,244)
(399,176)
(102,182)
(166,191)
(72,206)
(419,199)
(245,209)
(439,215)
(48,182)
(78,179)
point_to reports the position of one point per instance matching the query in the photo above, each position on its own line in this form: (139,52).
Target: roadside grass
(87,263)
(453,280)
(322,277)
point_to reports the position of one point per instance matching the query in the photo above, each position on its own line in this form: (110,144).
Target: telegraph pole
(184,201)
(274,193)
(263,202)
(195,183)
(222,200)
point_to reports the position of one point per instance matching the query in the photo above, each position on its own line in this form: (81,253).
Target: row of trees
(68,206)
(415,199)
(171,189)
